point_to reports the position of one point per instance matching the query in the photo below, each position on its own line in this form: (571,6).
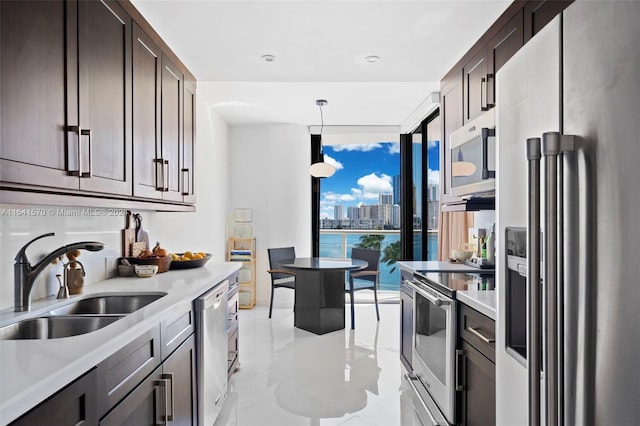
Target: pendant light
(321,169)
(462,168)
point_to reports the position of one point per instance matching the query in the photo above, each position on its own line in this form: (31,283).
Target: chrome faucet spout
(25,274)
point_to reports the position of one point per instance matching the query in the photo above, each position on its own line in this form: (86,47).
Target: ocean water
(331,246)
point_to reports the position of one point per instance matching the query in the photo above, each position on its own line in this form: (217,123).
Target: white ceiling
(320,48)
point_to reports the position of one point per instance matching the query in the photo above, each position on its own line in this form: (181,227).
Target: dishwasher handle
(213,298)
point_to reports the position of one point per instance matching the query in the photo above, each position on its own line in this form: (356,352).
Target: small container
(126,270)
(146,271)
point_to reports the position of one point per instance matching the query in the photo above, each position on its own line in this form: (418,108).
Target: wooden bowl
(187,264)
(163,263)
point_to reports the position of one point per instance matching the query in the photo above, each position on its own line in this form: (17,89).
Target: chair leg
(353,311)
(375,298)
(271,302)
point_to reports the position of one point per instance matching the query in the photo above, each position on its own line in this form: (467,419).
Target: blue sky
(363,172)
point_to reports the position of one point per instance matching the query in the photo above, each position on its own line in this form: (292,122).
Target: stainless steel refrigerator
(568,135)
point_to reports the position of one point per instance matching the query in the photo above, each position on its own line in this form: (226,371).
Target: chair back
(276,257)
(371,256)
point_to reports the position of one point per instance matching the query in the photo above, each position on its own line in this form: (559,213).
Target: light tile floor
(289,376)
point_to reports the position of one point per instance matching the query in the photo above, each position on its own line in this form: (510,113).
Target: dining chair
(280,278)
(364,279)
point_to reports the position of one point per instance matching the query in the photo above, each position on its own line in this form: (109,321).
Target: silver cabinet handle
(161,418)
(168,398)
(87,132)
(159,173)
(490,104)
(186,187)
(459,355)
(483,94)
(77,131)
(480,336)
(166,176)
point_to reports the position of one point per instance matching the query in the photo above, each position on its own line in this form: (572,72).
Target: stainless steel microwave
(473,157)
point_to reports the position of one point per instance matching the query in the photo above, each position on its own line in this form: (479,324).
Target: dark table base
(320,301)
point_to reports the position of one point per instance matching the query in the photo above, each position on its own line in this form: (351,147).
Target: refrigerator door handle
(533,280)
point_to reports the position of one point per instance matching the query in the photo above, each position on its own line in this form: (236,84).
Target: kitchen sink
(108,304)
(54,327)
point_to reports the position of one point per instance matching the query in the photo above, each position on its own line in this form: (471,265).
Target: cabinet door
(474,75)
(75,405)
(143,406)
(122,371)
(500,48)
(188,152)
(539,13)
(478,398)
(33,72)
(147,66)
(104,52)
(406,330)
(451,116)
(172,94)
(180,370)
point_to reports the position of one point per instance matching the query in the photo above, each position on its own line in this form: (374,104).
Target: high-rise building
(353,212)
(385,199)
(395,216)
(396,189)
(338,212)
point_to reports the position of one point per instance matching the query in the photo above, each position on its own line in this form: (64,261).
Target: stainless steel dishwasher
(212,349)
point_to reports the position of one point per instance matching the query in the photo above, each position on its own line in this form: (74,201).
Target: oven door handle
(431,298)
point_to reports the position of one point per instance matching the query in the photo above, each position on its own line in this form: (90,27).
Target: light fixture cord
(321,128)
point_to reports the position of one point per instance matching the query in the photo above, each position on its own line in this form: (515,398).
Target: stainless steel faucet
(25,275)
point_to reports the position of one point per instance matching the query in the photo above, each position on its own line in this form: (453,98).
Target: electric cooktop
(450,282)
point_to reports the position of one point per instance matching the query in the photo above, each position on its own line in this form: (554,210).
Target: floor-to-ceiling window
(421,173)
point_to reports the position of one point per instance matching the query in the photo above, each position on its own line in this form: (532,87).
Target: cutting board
(128,235)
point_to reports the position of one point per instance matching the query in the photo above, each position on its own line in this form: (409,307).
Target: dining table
(320,291)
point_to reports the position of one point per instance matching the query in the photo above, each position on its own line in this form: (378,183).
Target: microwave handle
(486,133)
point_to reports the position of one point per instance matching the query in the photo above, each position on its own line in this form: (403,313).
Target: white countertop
(483,301)
(438,266)
(31,370)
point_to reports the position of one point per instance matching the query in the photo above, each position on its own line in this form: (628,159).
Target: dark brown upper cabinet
(451,118)
(474,87)
(539,13)
(66,95)
(172,102)
(501,47)
(189,140)
(147,67)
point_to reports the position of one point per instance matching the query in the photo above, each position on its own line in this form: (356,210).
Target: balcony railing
(338,243)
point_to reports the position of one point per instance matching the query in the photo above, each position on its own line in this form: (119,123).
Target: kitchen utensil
(128,235)
(141,234)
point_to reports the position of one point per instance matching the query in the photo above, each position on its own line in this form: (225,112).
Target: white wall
(201,230)
(268,172)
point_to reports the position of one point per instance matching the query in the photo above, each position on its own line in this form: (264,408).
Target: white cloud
(431,144)
(335,163)
(364,147)
(373,185)
(332,196)
(394,148)
(433,177)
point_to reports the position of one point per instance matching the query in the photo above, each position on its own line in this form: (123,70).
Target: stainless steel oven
(473,157)
(434,339)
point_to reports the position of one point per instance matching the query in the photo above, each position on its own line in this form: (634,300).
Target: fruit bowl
(146,271)
(462,255)
(163,263)
(187,264)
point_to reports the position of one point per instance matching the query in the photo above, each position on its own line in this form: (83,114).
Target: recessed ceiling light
(268,58)
(372,59)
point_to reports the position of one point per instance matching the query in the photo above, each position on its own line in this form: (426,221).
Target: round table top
(324,264)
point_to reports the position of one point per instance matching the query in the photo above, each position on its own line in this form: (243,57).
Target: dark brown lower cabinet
(478,398)
(76,404)
(476,368)
(166,396)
